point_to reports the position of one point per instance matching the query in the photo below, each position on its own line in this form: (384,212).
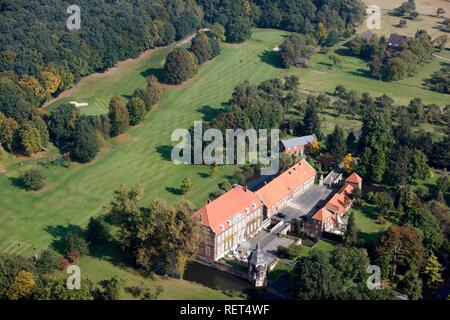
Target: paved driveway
(307,203)
(269,242)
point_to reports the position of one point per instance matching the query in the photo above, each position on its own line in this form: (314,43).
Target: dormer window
(247,210)
(229,222)
(222,227)
(254,206)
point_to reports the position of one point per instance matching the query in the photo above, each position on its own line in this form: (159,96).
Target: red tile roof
(218,212)
(354,178)
(339,202)
(285,183)
(323,214)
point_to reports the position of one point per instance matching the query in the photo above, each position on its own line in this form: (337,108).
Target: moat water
(224,281)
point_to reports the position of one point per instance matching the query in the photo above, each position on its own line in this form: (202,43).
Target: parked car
(280,215)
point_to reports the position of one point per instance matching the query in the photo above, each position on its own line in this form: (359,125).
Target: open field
(426,20)
(31,221)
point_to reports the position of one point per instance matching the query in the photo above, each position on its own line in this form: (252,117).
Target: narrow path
(440,57)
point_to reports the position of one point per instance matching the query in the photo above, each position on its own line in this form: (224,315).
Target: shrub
(180,66)
(283,252)
(49,261)
(74,243)
(33,179)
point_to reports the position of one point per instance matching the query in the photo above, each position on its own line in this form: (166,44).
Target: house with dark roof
(329,217)
(301,62)
(396,42)
(297,145)
(366,36)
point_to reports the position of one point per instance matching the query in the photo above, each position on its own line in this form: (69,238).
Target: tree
(375,67)
(62,124)
(158,237)
(33,179)
(111,289)
(335,59)
(201,48)
(149,95)
(180,66)
(118,116)
(412,284)
(295,47)
(217,31)
(8,127)
(286,161)
(396,69)
(238,29)
(418,165)
(349,163)
(51,81)
(98,230)
(48,261)
(86,145)
(30,139)
(440,11)
(336,143)
(384,202)
(314,277)
(351,233)
(314,146)
(74,243)
(433,272)
(54,287)
(22,287)
(214,171)
(186,185)
(422,219)
(136,110)
(311,122)
(399,250)
(441,41)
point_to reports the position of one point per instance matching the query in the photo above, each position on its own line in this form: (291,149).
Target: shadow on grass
(59,231)
(209,113)
(370,238)
(175,191)
(157,72)
(165,151)
(204,175)
(109,252)
(272,58)
(361,73)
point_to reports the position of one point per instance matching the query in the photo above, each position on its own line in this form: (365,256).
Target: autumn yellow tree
(22,286)
(433,272)
(32,86)
(322,32)
(349,163)
(51,81)
(314,146)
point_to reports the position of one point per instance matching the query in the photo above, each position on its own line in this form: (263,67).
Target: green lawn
(366,222)
(173,289)
(30,221)
(280,269)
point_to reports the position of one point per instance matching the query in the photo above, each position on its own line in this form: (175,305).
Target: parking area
(307,203)
(269,242)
